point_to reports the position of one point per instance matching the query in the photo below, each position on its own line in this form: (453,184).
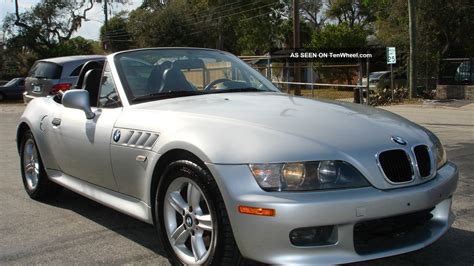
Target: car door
(83,149)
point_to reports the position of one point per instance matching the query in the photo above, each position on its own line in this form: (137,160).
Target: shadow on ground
(133,229)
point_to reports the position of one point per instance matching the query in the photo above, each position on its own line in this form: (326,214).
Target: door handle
(56,121)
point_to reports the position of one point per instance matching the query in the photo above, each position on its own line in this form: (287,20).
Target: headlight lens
(306,176)
(440,153)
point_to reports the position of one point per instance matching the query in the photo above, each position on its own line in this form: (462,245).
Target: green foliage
(175,25)
(116,37)
(306,33)
(351,12)
(340,36)
(258,31)
(244,26)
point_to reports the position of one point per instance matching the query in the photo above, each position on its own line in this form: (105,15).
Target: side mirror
(78,99)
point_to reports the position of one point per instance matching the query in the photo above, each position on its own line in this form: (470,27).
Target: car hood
(272,127)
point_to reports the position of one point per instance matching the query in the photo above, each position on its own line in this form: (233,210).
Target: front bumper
(27,98)
(266,239)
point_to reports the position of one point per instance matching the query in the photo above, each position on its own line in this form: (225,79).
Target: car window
(108,96)
(11,82)
(137,73)
(21,82)
(46,70)
(376,75)
(76,71)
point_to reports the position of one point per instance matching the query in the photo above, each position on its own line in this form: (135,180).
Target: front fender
(37,117)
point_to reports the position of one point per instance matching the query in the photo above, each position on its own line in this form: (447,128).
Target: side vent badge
(116,135)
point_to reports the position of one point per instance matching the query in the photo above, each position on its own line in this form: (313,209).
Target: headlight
(439,149)
(301,176)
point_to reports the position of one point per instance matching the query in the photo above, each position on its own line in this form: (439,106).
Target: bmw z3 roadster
(229,169)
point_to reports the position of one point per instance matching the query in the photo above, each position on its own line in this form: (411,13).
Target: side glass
(108,96)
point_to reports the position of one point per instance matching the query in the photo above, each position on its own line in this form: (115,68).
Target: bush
(384,96)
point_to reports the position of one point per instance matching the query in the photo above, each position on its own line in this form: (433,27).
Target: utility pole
(412,32)
(220,41)
(106,21)
(296,43)
(106,15)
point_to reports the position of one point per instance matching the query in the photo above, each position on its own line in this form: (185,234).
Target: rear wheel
(2,97)
(35,179)
(191,218)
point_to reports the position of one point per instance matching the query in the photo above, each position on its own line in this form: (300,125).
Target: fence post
(471,79)
(359,88)
(311,78)
(368,82)
(287,74)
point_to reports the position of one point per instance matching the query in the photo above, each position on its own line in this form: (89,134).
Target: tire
(2,97)
(203,234)
(35,180)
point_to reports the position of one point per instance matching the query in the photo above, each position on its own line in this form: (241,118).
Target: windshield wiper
(165,95)
(247,89)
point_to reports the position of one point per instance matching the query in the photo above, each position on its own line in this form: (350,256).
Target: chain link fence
(340,82)
(318,81)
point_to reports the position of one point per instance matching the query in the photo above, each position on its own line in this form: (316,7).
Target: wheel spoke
(29,151)
(177,202)
(205,222)
(30,167)
(180,235)
(198,246)
(194,196)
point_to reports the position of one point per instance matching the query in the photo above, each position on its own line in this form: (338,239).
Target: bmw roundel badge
(116,135)
(399,140)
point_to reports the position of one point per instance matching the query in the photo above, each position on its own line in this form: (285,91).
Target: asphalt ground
(71,229)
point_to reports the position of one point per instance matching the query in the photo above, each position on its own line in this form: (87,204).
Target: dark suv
(49,76)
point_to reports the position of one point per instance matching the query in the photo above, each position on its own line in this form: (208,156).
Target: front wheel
(191,218)
(35,179)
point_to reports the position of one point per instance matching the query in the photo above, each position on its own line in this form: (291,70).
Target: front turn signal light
(256,211)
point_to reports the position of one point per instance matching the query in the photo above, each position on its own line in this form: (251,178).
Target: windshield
(153,74)
(11,82)
(376,75)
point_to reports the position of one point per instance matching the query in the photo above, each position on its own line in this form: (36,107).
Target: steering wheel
(215,82)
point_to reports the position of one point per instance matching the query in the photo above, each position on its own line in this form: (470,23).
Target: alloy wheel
(189,224)
(31,164)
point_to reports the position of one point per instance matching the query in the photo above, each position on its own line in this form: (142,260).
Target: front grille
(423,160)
(393,232)
(396,165)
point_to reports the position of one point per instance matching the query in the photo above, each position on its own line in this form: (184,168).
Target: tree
(259,29)
(117,37)
(50,21)
(311,12)
(334,36)
(176,24)
(443,29)
(240,26)
(351,12)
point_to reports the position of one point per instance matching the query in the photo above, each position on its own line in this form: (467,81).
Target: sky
(89,30)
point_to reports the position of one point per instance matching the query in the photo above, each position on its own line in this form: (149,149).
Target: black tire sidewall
(208,187)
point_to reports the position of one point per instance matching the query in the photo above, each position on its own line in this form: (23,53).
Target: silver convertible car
(229,169)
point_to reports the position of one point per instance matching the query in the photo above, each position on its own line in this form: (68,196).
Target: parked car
(464,74)
(49,76)
(228,168)
(381,80)
(12,90)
